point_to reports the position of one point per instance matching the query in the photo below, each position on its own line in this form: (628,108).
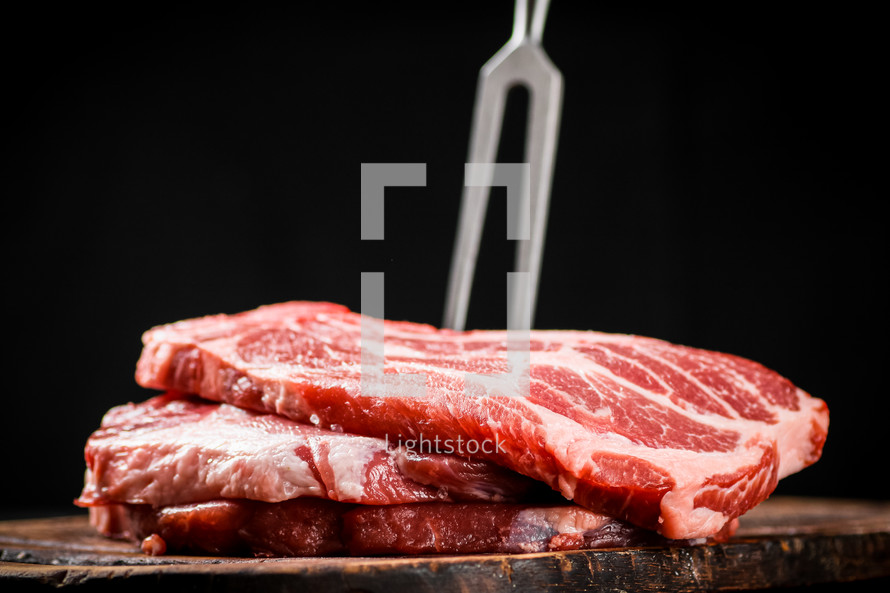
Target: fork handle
(521,30)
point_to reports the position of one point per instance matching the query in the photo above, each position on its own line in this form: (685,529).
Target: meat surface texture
(176,449)
(310,527)
(303,527)
(671,438)
(476,528)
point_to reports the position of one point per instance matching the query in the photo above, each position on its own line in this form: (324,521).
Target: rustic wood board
(784,542)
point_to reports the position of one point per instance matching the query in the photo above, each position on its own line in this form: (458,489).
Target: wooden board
(784,542)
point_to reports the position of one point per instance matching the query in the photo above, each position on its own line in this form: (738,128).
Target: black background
(716,185)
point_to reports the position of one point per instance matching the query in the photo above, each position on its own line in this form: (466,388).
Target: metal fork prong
(520,62)
(545,105)
(485,132)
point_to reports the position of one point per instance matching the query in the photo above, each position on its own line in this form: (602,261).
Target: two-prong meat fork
(522,61)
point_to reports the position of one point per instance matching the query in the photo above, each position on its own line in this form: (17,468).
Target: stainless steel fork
(522,61)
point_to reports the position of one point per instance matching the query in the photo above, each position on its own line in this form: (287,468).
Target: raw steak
(175,449)
(310,527)
(302,527)
(670,438)
(467,528)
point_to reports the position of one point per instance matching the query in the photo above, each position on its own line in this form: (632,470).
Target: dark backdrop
(716,185)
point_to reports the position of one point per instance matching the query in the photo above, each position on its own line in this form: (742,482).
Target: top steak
(671,438)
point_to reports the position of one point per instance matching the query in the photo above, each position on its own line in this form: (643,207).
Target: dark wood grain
(784,542)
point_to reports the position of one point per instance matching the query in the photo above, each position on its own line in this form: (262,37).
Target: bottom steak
(478,528)
(301,527)
(314,527)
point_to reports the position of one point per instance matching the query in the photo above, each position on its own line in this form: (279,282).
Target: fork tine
(521,61)
(545,98)
(484,135)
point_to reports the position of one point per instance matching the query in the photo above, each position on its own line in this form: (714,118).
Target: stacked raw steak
(649,441)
